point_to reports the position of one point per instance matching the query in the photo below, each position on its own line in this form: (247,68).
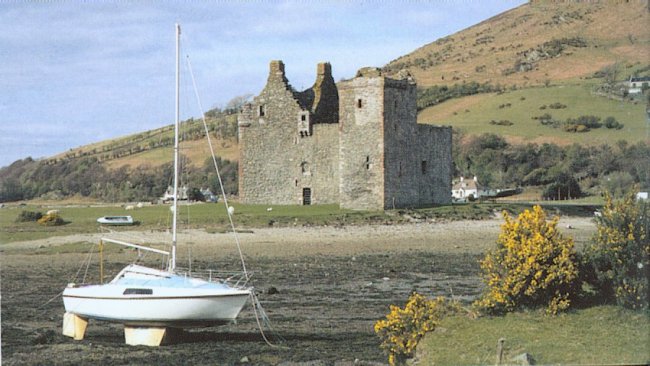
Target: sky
(78,72)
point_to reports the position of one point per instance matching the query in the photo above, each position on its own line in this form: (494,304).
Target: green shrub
(611,122)
(533,265)
(29,216)
(620,253)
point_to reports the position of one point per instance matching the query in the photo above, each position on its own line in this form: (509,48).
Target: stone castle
(356,143)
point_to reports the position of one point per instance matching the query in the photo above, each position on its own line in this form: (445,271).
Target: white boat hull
(195,303)
(178,310)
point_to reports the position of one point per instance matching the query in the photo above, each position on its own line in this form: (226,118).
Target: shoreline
(467,236)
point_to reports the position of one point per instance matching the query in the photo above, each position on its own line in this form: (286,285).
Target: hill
(544,72)
(564,42)
(503,73)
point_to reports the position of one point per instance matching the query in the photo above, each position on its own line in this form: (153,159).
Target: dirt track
(332,283)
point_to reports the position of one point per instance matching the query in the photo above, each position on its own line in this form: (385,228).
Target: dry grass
(613,31)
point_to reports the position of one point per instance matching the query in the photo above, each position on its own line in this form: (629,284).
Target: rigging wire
(216,166)
(261,317)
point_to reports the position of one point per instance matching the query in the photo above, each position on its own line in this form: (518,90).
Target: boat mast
(172,265)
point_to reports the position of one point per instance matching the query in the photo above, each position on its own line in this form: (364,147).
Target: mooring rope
(259,312)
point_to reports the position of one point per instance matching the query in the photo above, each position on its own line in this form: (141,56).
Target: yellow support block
(146,336)
(74,326)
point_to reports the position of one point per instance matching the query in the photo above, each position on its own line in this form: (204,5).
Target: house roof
(467,184)
(639,79)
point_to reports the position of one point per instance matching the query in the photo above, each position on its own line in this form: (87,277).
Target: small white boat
(142,296)
(150,301)
(115,220)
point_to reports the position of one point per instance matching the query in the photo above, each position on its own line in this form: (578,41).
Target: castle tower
(288,142)
(400,162)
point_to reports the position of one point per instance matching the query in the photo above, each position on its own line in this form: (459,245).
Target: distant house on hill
(468,189)
(636,84)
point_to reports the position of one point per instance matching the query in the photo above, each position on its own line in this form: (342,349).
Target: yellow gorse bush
(403,328)
(533,265)
(620,253)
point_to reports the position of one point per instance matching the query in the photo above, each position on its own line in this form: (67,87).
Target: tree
(565,186)
(235,104)
(620,253)
(195,195)
(532,265)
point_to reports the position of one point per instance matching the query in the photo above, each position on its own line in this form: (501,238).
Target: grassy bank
(595,336)
(212,217)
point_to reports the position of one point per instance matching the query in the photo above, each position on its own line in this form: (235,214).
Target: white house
(169,194)
(635,84)
(467,189)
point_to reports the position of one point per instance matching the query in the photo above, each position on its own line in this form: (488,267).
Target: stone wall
(361,154)
(356,143)
(281,151)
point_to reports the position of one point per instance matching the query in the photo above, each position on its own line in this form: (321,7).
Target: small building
(642,196)
(636,84)
(469,189)
(169,194)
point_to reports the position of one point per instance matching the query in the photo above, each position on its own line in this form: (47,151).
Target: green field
(473,115)
(603,335)
(212,217)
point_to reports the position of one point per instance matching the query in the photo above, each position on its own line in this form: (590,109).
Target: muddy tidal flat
(322,288)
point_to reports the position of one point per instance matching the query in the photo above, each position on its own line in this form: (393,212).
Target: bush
(403,328)
(533,265)
(503,122)
(29,216)
(51,220)
(620,253)
(611,122)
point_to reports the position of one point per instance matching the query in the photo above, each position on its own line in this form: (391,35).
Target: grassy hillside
(536,42)
(473,114)
(154,147)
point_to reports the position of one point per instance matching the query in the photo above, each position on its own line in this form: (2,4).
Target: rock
(244,361)
(272,291)
(524,359)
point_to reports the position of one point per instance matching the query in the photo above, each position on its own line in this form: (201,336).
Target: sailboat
(150,302)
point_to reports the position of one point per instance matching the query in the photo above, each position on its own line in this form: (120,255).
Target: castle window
(399,169)
(367,162)
(359,103)
(262,110)
(304,124)
(424,167)
(304,168)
